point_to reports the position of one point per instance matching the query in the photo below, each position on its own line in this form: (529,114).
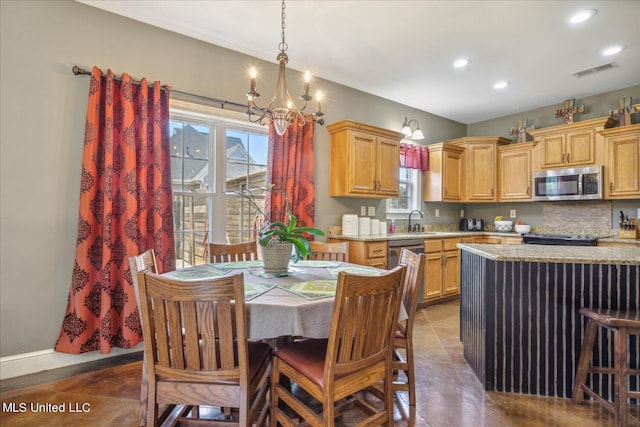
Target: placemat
(363,271)
(290,272)
(319,263)
(239,264)
(311,290)
(196,273)
(253,290)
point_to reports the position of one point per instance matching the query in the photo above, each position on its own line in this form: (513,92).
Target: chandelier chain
(283,45)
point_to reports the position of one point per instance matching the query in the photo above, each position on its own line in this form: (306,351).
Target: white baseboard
(44,360)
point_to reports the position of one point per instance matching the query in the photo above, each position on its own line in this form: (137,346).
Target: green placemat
(363,271)
(239,264)
(205,271)
(253,290)
(319,263)
(314,289)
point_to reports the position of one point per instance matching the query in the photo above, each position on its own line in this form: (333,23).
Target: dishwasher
(395,247)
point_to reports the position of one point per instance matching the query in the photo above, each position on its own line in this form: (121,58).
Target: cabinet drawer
(431,246)
(375,250)
(450,244)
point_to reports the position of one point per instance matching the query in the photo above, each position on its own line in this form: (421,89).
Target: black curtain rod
(82,72)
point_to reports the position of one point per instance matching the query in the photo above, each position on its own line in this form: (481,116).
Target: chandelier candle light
(281,110)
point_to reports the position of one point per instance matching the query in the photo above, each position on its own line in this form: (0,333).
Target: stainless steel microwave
(568,184)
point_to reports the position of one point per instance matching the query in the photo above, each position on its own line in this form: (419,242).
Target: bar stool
(623,324)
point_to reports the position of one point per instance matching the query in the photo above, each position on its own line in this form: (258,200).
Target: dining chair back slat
(338,251)
(219,252)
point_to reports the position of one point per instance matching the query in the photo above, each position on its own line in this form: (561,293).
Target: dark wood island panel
(520,325)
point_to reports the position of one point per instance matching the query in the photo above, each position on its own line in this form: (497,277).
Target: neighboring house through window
(215,154)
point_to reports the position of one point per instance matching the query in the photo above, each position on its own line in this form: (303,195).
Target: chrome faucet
(412,212)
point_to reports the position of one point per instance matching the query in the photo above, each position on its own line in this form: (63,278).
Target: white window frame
(415,198)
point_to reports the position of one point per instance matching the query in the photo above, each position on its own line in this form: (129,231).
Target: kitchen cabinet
(480,166)
(372,254)
(442,269)
(574,144)
(499,240)
(622,175)
(444,179)
(632,243)
(364,161)
(514,172)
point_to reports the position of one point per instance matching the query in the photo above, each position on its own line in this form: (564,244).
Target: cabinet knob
(562,158)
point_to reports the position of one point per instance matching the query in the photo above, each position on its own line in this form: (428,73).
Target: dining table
(297,302)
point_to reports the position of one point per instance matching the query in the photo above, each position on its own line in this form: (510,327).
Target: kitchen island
(519,320)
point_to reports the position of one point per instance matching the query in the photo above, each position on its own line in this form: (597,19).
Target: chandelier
(281,110)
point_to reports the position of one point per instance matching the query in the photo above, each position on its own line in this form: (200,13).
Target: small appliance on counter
(471,224)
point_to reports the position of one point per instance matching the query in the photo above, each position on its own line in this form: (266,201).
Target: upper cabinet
(622,177)
(575,144)
(443,182)
(514,172)
(480,166)
(364,161)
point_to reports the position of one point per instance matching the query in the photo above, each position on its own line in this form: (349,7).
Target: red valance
(414,156)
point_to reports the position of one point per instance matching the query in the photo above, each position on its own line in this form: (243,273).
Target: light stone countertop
(555,254)
(421,235)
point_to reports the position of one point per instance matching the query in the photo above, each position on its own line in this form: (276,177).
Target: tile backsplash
(591,218)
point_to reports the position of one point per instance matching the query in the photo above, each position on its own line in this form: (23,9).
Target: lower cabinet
(373,254)
(442,269)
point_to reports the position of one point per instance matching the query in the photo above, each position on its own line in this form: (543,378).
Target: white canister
(383,228)
(364,226)
(349,225)
(375,226)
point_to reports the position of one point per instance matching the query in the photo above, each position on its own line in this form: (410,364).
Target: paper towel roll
(383,228)
(375,226)
(364,226)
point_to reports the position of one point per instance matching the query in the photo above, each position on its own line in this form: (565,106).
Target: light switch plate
(437,212)
(372,211)
(363,211)
(461,213)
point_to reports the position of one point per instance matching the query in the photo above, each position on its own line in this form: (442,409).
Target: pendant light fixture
(409,132)
(281,110)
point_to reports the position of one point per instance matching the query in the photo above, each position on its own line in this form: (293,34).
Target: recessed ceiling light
(501,84)
(459,63)
(612,50)
(582,16)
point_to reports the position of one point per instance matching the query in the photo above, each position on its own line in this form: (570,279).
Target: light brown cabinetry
(364,160)
(373,254)
(514,172)
(442,269)
(622,174)
(444,179)
(575,144)
(480,167)
(499,240)
(633,243)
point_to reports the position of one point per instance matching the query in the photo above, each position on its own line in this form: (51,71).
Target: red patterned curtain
(414,156)
(125,209)
(290,169)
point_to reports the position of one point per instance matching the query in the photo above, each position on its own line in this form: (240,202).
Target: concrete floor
(448,393)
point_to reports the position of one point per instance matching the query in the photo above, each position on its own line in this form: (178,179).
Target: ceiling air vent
(594,70)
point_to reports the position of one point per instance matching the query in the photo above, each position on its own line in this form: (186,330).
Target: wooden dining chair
(219,252)
(338,251)
(146,261)
(198,351)
(356,355)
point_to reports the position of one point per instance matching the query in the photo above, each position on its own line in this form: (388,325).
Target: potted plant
(277,239)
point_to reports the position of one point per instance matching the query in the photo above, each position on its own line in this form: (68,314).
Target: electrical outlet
(512,213)
(363,211)
(437,212)
(372,211)
(461,213)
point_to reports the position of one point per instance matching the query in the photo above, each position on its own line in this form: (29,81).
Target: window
(214,157)
(409,194)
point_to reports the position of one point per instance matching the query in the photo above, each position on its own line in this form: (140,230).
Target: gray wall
(42,115)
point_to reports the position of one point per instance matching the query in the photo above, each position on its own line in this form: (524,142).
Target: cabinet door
(452,176)
(515,175)
(362,177)
(552,151)
(580,148)
(451,273)
(433,276)
(388,154)
(623,165)
(481,172)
